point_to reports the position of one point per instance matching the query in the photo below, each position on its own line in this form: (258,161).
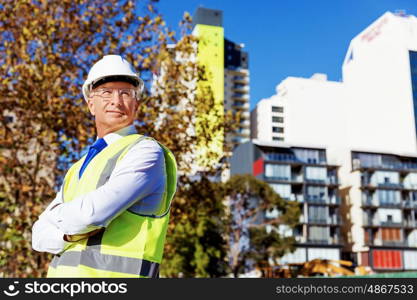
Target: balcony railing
(399,166)
(315,200)
(329,241)
(370,202)
(319,242)
(410,186)
(410,223)
(391,223)
(296,197)
(400,204)
(382,223)
(240,78)
(298,179)
(390,204)
(317,221)
(410,204)
(281,157)
(390,185)
(329,180)
(379,242)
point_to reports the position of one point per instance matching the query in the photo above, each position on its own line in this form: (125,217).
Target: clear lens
(107,93)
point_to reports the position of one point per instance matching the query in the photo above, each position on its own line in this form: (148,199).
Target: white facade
(312,112)
(267,120)
(372,110)
(376,72)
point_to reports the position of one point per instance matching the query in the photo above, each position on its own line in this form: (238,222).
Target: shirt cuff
(47,238)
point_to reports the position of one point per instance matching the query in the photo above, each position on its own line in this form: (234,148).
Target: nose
(116,97)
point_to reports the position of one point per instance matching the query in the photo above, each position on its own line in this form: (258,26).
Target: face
(114,113)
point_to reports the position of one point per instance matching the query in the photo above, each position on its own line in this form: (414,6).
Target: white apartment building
(369,116)
(379,72)
(267,120)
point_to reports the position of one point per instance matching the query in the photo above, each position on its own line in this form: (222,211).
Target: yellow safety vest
(132,244)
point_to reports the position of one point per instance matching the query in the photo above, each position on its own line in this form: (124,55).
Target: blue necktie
(95,149)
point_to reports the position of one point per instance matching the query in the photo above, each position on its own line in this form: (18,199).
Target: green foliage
(249,200)
(46,49)
(196,246)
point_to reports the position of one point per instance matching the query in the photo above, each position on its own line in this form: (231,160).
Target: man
(110,216)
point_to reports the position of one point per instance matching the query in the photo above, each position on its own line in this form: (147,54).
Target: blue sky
(290,37)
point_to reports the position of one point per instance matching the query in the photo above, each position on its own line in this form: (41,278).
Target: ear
(136,106)
(91,107)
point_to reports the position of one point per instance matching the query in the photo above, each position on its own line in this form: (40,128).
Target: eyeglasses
(107,93)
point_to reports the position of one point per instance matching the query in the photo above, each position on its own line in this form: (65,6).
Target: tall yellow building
(226,66)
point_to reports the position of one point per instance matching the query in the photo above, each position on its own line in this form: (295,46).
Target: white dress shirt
(138,179)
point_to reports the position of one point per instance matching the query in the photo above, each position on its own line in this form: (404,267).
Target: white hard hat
(111,66)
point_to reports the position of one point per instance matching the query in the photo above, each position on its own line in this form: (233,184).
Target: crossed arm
(138,177)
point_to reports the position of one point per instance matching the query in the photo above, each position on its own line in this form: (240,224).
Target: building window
(316,173)
(277,109)
(413,69)
(278,119)
(318,234)
(316,193)
(389,197)
(317,214)
(277,129)
(276,138)
(278,172)
(284,190)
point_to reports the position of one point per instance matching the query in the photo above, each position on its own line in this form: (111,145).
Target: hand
(79,237)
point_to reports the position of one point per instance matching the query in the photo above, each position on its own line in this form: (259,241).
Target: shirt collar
(114,136)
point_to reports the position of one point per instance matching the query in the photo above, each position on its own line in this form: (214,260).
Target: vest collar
(112,137)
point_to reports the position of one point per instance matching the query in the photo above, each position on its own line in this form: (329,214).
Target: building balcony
(242,131)
(240,105)
(317,221)
(296,197)
(281,157)
(241,88)
(390,185)
(370,203)
(327,181)
(410,223)
(391,224)
(334,220)
(336,200)
(381,186)
(241,79)
(325,201)
(300,239)
(410,204)
(374,204)
(316,200)
(379,242)
(291,158)
(283,179)
(325,241)
(240,96)
(377,223)
(386,166)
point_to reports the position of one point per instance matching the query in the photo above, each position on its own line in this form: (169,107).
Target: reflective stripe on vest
(90,253)
(107,262)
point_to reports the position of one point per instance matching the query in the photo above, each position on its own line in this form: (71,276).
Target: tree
(250,200)
(196,234)
(46,49)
